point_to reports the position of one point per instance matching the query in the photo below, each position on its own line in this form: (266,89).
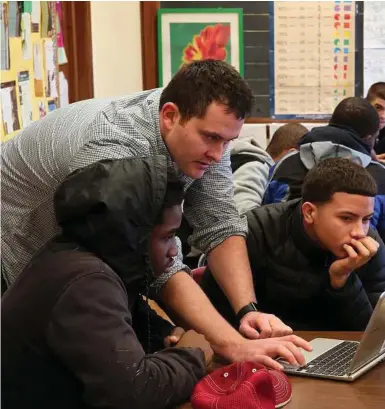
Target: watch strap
(252,306)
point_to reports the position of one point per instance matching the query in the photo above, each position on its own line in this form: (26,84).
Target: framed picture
(186,35)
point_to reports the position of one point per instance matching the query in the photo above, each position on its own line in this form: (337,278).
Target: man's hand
(264,350)
(174,337)
(256,325)
(359,252)
(192,339)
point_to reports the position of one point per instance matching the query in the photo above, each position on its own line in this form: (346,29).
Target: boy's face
(379,105)
(163,247)
(337,222)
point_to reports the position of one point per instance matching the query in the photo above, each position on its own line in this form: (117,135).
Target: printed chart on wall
(312,49)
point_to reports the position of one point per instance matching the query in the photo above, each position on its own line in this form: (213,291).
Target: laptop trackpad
(320,346)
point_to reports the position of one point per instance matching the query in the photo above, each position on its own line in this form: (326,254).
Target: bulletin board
(29,63)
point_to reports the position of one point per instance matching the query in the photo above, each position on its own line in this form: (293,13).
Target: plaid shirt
(41,156)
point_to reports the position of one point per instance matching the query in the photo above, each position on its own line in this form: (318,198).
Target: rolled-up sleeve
(210,209)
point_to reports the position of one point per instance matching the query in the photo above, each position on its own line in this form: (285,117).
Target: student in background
(252,165)
(350,133)
(316,262)
(75,327)
(376,97)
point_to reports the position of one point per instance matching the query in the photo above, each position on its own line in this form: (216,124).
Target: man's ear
(308,212)
(169,115)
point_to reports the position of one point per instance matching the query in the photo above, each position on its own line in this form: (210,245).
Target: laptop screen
(373,340)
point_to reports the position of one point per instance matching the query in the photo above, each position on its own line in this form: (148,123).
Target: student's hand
(264,350)
(257,325)
(359,252)
(192,339)
(381,158)
(174,337)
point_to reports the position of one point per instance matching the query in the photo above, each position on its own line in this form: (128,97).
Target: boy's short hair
(285,137)
(196,85)
(358,114)
(377,90)
(337,175)
(173,196)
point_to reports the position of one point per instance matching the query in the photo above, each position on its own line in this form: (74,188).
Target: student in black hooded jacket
(316,262)
(75,327)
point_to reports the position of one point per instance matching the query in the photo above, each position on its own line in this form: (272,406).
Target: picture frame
(189,34)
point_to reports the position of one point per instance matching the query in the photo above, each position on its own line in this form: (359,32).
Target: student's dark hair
(377,90)
(173,196)
(358,114)
(285,138)
(335,175)
(196,85)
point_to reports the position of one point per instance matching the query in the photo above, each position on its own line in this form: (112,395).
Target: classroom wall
(116,48)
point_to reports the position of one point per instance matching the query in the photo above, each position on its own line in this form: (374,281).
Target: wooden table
(367,392)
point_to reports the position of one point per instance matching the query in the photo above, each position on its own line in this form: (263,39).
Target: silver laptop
(346,360)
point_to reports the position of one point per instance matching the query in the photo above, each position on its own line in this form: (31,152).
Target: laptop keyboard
(335,362)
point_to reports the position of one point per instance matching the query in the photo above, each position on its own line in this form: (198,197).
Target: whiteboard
(374,43)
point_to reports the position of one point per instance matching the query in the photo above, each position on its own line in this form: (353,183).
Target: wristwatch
(251,306)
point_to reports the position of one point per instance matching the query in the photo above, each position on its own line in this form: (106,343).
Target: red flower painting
(209,44)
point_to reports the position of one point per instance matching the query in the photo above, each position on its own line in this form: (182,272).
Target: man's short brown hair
(196,85)
(285,137)
(377,90)
(336,175)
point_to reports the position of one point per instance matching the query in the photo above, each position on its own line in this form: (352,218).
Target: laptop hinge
(366,363)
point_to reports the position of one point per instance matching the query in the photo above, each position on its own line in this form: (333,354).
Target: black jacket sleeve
(352,305)
(144,317)
(91,333)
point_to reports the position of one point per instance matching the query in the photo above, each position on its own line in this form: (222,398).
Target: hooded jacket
(251,166)
(68,321)
(291,275)
(318,144)
(380,145)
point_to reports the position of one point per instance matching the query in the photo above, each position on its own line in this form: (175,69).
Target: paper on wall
(4,37)
(9,107)
(25,98)
(38,70)
(35,16)
(63,85)
(50,69)
(26,36)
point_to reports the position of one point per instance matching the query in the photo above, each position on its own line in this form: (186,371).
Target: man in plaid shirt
(191,122)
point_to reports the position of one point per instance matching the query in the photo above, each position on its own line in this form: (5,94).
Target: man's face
(338,221)
(379,105)
(199,142)
(163,247)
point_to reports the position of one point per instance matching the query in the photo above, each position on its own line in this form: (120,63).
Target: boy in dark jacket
(317,264)
(376,97)
(75,327)
(350,134)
